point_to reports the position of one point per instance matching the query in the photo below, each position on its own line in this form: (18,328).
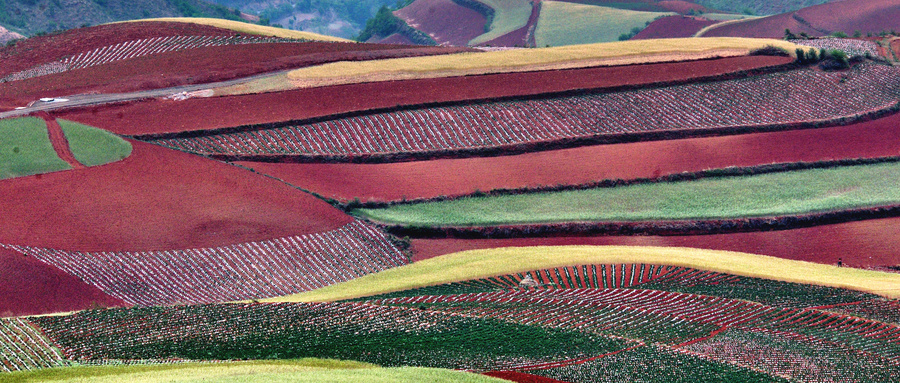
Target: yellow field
(298,371)
(520,60)
(486,263)
(248,28)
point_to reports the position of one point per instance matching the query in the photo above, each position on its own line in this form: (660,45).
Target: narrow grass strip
(774,194)
(476,264)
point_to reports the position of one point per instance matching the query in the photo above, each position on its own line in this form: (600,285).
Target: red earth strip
(453,177)
(31,287)
(712,334)
(59,141)
(858,244)
(521,377)
(672,27)
(165,116)
(156,199)
(834,305)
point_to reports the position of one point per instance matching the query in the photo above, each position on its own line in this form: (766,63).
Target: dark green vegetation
(31,17)
(385,24)
(92,146)
(759,7)
(25,148)
(775,194)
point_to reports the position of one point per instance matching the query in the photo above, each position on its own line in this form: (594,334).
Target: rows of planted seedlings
(882,310)
(797,96)
(242,271)
(657,364)
(866,335)
(802,358)
(138,48)
(389,336)
(850,46)
(23,347)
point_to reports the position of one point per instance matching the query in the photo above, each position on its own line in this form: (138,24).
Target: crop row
(797,96)
(137,48)
(799,357)
(876,309)
(652,277)
(23,347)
(870,336)
(850,46)
(656,364)
(236,272)
(388,336)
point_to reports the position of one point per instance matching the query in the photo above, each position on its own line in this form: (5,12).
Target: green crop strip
(25,149)
(92,146)
(776,194)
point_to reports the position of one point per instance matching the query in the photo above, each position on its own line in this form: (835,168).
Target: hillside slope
(34,16)
(341,18)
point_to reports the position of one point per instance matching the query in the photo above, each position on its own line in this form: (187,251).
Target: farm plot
(136,48)
(850,46)
(563,23)
(801,358)
(23,347)
(663,278)
(776,99)
(388,336)
(251,270)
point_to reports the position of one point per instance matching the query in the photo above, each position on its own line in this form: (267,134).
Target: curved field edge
(508,61)
(92,146)
(476,264)
(301,370)
(26,149)
(789,193)
(246,28)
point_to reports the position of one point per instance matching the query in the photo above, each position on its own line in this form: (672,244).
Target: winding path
(59,141)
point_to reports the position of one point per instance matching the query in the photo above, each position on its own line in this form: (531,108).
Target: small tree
(788,35)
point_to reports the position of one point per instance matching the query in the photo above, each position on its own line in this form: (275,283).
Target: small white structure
(527,282)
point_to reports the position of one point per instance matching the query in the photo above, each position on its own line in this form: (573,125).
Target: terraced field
(800,97)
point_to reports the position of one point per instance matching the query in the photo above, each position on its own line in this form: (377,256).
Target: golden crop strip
(477,264)
(248,28)
(519,60)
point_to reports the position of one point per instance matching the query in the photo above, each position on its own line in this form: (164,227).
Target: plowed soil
(521,377)
(44,49)
(165,116)
(30,287)
(857,244)
(198,66)
(156,199)
(445,21)
(452,177)
(673,26)
(866,16)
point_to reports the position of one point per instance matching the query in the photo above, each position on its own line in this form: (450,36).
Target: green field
(92,146)
(25,148)
(562,23)
(303,370)
(773,194)
(476,264)
(509,15)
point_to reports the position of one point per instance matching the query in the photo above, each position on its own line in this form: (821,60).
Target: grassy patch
(302,370)
(509,15)
(774,194)
(563,23)
(25,148)
(248,28)
(520,60)
(92,146)
(487,263)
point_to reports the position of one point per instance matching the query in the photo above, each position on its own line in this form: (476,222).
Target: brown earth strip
(59,141)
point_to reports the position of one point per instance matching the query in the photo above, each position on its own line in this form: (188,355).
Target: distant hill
(30,17)
(759,7)
(341,18)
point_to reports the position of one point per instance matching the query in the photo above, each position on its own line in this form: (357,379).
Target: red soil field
(44,49)
(521,377)
(858,244)
(840,16)
(452,177)
(445,21)
(31,287)
(672,27)
(156,199)
(682,7)
(197,66)
(166,116)
(519,37)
